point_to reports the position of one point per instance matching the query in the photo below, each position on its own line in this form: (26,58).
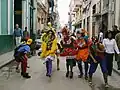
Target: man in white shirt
(101,36)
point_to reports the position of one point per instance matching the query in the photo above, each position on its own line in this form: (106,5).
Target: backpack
(16,50)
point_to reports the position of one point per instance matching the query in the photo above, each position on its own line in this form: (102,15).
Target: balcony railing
(77,4)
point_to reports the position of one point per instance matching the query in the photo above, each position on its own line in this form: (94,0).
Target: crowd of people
(78,48)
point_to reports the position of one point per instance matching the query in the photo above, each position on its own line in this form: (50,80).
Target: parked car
(38,44)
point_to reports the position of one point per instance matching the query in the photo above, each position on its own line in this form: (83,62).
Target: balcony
(77,4)
(86,5)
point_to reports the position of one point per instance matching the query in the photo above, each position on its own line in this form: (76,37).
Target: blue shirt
(18,32)
(24,49)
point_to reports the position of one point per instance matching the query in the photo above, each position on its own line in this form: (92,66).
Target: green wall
(4,17)
(6,43)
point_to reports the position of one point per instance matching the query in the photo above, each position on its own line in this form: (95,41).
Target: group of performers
(79,49)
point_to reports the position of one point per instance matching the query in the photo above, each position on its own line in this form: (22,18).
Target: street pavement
(58,81)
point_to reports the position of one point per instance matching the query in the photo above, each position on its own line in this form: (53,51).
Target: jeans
(93,66)
(109,63)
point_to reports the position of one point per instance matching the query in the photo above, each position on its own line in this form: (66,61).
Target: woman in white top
(110,48)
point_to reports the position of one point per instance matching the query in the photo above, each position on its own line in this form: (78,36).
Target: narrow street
(58,82)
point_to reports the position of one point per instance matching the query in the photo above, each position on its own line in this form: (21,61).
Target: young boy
(20,56)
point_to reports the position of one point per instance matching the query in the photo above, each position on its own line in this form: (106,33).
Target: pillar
(117,9)
(9,16)
(23,15)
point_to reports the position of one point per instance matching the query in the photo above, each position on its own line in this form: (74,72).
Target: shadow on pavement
(102,87)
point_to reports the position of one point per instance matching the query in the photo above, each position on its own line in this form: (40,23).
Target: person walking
(82,56)
(18,35)
(115,31)
(49,47)
(100,36)
(117,38)
(110,48)
(26,34)
(97,57)
(67,44)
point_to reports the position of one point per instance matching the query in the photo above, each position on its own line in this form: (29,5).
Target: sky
(63,9)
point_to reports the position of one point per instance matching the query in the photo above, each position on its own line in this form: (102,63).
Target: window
(42,21)
(38,20)
(94,9)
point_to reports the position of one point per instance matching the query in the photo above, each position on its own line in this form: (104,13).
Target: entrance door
(18,12)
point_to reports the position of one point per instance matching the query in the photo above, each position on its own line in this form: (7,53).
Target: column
(13,15)
(110,15)
(90,30)
(23,15)
(0,17)
(117,6)
(9,16)
(27,14)
(35,16)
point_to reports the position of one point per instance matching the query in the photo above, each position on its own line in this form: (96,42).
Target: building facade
(42,14)
(6,25)
(13,12)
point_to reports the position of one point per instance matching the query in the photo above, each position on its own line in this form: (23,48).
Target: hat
(65,30)
(29,41)
(83,31)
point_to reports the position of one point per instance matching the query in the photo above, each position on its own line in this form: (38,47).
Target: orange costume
(82,45)
(82,50)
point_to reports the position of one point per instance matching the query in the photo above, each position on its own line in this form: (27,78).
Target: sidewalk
(6,58)
(115,67)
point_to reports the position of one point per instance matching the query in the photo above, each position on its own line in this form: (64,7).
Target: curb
(116,71)
(6,64)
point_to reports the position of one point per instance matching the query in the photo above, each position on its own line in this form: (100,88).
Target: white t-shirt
(110,46)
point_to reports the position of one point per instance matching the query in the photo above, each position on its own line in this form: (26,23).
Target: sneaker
(80,76)
(26,75)
(71,75)
(106,85)
(58,69)
(17,70)
(67,74)
(86,77)
(28,66)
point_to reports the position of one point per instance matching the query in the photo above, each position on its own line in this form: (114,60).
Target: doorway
(18,12)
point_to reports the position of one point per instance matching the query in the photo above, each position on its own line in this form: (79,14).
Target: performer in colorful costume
(97,57)
(67,44)
(82,45)
(49,47)
(45,38)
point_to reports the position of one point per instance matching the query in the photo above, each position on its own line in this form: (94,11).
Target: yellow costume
(45,44)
